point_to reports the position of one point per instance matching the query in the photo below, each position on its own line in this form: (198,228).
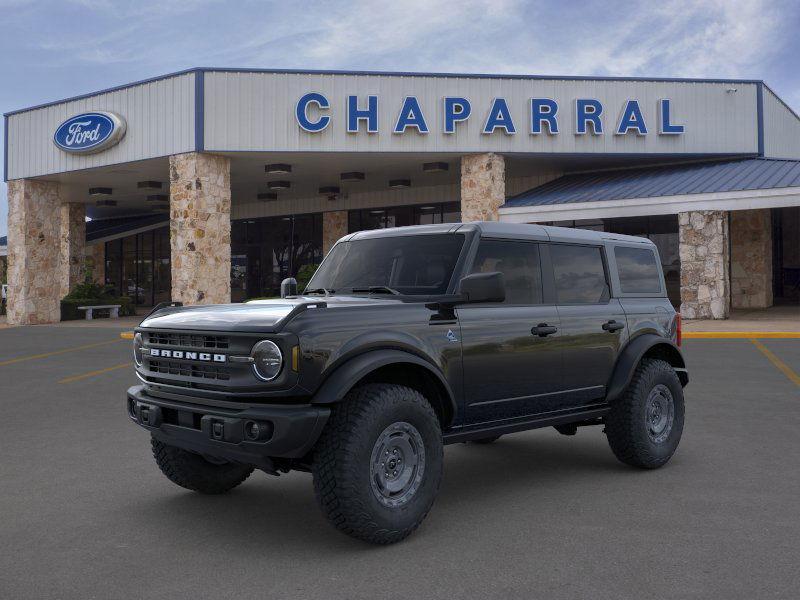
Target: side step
(472,433)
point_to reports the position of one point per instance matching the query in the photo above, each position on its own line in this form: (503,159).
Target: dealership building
(212,185)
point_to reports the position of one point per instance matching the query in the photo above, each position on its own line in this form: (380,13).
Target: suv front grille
(189,340)
(184,369)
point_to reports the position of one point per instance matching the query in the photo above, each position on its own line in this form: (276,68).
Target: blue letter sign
(455,110)
(665,127)
(90,132)
(354,114)
(631,118)
(499,117)
(543,110)
(410,116)
(301,112)
(588,111)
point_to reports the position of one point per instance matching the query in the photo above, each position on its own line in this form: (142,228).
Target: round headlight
(138,342)
(267,360)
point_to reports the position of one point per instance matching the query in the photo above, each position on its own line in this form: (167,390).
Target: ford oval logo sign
(90,132)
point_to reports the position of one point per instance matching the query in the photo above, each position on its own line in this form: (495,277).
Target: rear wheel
(645,426)
(193,472)
(378,464)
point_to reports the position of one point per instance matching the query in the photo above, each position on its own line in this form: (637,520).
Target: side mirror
(483,287)
(288,287)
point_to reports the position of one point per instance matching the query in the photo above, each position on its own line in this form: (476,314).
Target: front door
(511,355)
(593,325)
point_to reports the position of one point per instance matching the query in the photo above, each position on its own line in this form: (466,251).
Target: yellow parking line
(779,364)
(126,335)
(742,335)
(54,353)
(93,373)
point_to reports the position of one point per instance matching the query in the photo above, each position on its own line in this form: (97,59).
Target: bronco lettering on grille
(201,356)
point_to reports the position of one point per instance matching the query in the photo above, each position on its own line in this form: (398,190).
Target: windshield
(412,264)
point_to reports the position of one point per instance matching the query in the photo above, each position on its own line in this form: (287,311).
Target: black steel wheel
(645,425)
(378,464)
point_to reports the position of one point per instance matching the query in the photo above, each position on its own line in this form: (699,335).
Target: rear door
(593,324)
(511,355)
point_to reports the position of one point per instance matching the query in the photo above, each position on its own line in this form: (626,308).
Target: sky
(56,49)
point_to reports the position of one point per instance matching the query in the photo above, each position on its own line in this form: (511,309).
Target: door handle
(543,330)
(612,326)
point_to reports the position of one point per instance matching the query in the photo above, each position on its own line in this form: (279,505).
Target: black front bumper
(285,431)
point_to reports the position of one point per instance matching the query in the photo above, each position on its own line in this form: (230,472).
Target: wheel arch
(390,366)
(644,346)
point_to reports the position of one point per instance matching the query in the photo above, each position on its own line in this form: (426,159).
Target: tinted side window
(519,264)
(638,272)
(580,277)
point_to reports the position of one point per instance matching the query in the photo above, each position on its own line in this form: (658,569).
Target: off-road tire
(193,472)
(343,462)
(627,426)
(487,440)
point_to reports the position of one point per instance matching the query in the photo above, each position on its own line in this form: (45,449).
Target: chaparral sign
(588,116)
(90,132)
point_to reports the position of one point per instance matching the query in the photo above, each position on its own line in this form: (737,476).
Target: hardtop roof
(505,230)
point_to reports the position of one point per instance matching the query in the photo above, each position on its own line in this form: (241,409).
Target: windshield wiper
(375,289)
(325,291)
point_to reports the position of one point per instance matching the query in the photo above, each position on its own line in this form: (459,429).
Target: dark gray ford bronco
(408,339)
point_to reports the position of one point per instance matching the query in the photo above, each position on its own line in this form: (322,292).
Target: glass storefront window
(399,216)
(138,266)
(266,251)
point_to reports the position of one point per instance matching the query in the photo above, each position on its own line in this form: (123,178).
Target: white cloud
(131,40)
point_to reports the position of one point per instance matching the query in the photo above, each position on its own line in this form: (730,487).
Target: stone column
(751,258)
(96,257)
(483,186)
(33,252)
(334,227)
(703,245)
(72,246)
(200,228)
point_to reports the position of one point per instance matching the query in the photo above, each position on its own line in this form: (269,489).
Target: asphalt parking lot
(85,513)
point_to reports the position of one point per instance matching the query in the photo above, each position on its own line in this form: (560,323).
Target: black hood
(256,316)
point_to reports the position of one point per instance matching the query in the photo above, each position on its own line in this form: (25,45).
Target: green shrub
(304,275)
(90,293)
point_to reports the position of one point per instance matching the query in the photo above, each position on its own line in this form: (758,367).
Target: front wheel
(645,426)
(378,464)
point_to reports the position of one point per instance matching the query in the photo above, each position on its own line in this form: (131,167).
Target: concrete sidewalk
(768,320)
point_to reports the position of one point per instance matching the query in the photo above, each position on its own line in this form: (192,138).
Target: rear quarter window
(638,270)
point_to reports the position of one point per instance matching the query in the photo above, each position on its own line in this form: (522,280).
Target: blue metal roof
(671,180)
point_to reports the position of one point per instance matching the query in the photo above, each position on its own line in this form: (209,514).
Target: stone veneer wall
(483,186)
(33,252)
(72,245)
(751,258)
(703,245)
(96,258)
(200,228)
(334,227)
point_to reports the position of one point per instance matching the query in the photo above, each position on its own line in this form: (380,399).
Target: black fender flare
(632,354)
(345,376)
